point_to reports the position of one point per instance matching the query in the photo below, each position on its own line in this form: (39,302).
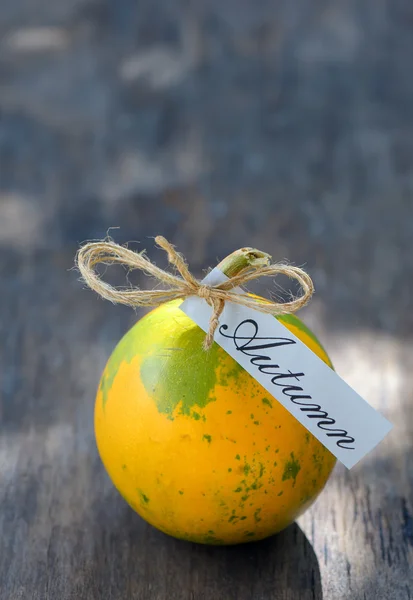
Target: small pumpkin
(194,444)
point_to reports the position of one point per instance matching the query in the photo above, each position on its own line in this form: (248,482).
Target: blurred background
(287,126)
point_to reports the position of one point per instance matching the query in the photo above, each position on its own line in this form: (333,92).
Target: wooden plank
(65,531)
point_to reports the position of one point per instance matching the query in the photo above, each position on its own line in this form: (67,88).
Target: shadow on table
(148,565)
(283,566)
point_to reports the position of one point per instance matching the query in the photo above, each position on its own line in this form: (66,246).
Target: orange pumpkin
(196,445)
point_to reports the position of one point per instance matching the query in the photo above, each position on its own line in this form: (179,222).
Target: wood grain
(285,126)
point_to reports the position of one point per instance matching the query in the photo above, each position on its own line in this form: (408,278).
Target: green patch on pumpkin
(291,469)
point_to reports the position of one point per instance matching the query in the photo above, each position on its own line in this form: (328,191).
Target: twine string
(108,252)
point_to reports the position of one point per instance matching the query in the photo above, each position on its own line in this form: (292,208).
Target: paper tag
(294,375)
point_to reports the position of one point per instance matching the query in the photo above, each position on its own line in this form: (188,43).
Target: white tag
(312,392)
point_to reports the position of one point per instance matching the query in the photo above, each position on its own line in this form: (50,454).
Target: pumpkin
(194,444)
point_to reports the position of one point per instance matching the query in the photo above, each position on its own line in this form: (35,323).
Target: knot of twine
(107,252)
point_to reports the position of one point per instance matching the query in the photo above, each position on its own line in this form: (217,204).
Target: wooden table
(219,126)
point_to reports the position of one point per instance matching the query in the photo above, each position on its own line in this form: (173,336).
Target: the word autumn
(247,341)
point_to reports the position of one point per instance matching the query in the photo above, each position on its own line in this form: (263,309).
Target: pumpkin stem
(243,258)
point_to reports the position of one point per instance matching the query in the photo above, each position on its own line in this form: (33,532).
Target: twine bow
(107,252)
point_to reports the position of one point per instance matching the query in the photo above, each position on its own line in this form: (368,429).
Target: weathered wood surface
(282,125)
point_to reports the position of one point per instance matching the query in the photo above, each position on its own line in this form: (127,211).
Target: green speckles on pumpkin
(318,461)
(280,493)
(207,437)
(307,438)
(305,499)
(239,489)
(237,457)
(235,518)
(267,401)
(262,470)
(257,515)
(198,538)
(247,469)
(194,415)
(181,492)
(249,534)
(124,467)
(229,377)
(144,499)
(209,539)
(229,412)
(256,422)
(291,469)
(230,470)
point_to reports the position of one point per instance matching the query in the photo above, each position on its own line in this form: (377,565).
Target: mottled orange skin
(229,468)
